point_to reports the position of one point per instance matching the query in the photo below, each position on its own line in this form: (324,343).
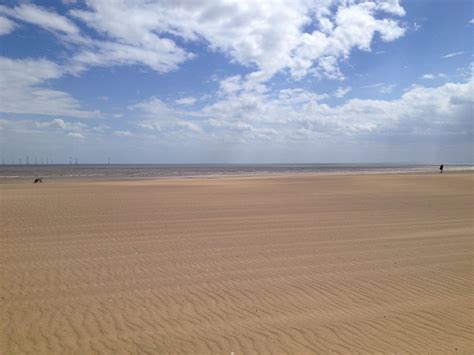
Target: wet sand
(300,264)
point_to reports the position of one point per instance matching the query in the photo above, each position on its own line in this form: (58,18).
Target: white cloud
(192,126)
(138,32)
(155,108)
(242,129)
(156,115)
(244,30)
(391,6)
(471,21)
(230,85)
(341,92)
(299,96)
(6,26)
(122,133)
(163,56)
(149,125)
(21,89)
(266,36)
(160,54)
(55,125)
(37,15)
(355,27)
(186,101)
(61,124)
(297,113)
(430,76)
(132,38)
(292,115)
(450,55)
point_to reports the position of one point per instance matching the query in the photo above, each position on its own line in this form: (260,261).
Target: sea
(13,173)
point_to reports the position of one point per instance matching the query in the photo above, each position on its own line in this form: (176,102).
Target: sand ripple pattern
(341,264)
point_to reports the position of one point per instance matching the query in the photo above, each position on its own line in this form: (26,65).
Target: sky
(241,81)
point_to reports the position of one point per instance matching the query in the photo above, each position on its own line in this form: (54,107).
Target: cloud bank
(294,40)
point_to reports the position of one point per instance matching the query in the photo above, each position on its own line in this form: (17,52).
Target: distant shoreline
(66,173)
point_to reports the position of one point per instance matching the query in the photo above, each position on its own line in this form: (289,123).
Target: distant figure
(40,180)
(441,167)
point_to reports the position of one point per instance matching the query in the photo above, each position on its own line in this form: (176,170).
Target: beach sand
(297,264)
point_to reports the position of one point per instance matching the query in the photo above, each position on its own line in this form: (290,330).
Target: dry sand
(380,263)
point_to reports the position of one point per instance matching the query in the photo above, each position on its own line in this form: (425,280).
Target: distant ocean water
(10,173)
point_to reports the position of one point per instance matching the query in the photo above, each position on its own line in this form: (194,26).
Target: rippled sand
(285,264)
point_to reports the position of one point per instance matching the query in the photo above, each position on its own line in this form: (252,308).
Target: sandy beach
(282,264)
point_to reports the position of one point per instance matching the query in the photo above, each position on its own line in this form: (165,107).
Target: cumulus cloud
(442,110)
(230,85)
(420,110)
(143,32)
(391,6)
(6,26)
(244,30)
(21,89)
(298,38)
(299,114)
(160,54)
(355,26)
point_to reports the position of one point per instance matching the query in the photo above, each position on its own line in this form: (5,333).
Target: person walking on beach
(441,167)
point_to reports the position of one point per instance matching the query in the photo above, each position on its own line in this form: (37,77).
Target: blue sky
(237,81)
